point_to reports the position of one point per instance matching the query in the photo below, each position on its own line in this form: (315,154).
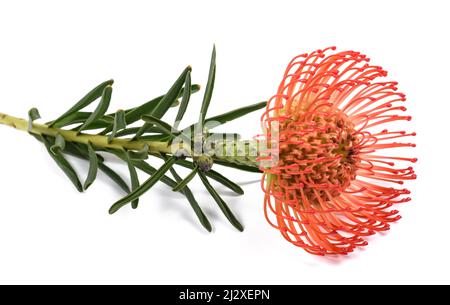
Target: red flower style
(330,187)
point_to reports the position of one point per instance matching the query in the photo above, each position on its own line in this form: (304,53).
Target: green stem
(225,152)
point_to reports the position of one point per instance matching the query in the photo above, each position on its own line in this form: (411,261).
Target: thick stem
(74,136)
(236,152)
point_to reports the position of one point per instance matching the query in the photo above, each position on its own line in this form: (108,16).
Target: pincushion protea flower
(334,180)
(326,186)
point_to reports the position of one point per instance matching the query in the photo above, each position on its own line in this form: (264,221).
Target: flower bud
(204,162)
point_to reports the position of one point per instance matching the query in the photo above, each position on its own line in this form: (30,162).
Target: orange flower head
(328,133)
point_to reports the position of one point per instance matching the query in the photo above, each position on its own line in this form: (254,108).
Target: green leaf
(119,124)
(222,205)
(184,100)
(209,88)
(165,103)
(186,180)
(79,151)
(139,154)
(194,205)
(157,138)
(225,181)
(145,167)
(143,187)
(165,127)
(59,144)
(93,167)
(236,113)
(134,114)
(33,114)
(63,164)
(171,95)
(127,132)
(194,89)
(101,109)
(242,167)
(216,176)
(133,130)
(134,179)
(114,176)
(81,117)
(230,116)
(85,101)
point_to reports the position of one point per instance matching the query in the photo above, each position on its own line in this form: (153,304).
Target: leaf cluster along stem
(153,138)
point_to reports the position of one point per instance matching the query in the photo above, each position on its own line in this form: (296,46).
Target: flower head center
(317,154)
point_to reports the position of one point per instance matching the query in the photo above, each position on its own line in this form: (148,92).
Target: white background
(53,52)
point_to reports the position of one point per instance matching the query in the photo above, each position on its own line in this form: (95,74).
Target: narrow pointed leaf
(63,164)
(99,123)
(139,154)
(150,170)
(134,180)
(223,118)
(157,138)
(236,113)
(145,167)
(171,95)
(222,205)
(209,88)
(164,104)
(127,132)
(186,180)
(81,117)
(59,144)
(194,88)
(184,100)
(133,130)
(216,176)
(101,109)
(78,151)
(242,167)
(114,176)
(85,101)
(107,121)
(134,114)
(165,127)
(197,210)
(33,114)
(119,124)
(93,167)
(143,187)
